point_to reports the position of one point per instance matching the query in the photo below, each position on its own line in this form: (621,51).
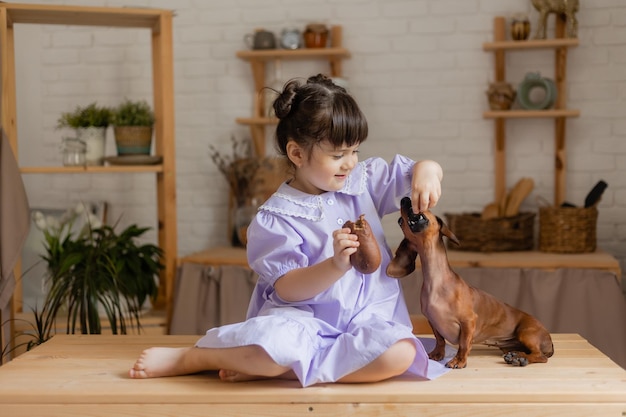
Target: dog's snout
(417,222)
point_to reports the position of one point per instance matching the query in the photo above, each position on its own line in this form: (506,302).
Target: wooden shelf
(216,256)
(82,16)
(534,259)
(91,169)
(294,54)
(159,23)
(530,114)
(263,121)
(559,113)
(258,59)
(227,255)
(531,44)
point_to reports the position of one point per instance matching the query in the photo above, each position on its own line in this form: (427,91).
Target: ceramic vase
(242,217)
(94,139)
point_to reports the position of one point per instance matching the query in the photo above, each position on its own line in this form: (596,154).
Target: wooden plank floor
(87,375)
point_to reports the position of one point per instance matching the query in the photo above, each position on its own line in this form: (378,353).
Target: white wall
(417,68)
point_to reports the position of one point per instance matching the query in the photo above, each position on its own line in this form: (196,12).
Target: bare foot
(157,362)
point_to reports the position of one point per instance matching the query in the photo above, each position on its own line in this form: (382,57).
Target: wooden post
(336,39)
(560,75)
(163,90)
(499,34)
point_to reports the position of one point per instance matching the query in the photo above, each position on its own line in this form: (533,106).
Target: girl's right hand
(344,245)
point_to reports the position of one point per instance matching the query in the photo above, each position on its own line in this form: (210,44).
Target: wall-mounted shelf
(257,120)
(159,22)
(258,59)
(91,169)
(330,53)
(530,114)
(530,44)
(559,113)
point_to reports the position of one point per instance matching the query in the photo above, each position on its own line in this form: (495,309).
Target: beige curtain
(14,224)
(210,296)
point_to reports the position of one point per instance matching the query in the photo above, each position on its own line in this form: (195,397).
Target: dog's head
(419,229)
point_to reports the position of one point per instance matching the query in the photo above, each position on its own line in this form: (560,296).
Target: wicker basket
(500,234)
(567,229)
(133,140)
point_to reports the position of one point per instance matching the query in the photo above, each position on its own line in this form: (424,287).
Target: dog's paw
(456,363)
(515,359)
(437,355)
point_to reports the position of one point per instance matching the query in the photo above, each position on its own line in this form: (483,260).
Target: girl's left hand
(426,185)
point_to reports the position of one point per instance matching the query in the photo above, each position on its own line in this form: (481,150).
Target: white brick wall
(417,68)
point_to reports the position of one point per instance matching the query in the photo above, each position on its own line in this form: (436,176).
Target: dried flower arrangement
(239,169)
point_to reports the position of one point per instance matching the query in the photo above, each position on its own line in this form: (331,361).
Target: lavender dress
(355,320)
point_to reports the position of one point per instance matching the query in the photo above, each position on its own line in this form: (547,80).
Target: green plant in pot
(38,331)
(133,123)
(97,272)
(90,123)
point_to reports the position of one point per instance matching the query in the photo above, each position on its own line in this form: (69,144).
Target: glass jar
(315,35)
(74,152)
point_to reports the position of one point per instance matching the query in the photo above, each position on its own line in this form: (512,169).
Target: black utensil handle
(595,194)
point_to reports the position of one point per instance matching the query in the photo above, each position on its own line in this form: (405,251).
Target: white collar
(292,202)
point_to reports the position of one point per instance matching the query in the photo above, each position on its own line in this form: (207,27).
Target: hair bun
(282,104)
(320,79)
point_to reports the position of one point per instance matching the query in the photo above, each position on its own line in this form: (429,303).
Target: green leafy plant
(95,269)
(37,332)
(133,113)
(91,115)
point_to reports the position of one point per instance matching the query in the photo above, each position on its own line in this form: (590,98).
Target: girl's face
(326,168)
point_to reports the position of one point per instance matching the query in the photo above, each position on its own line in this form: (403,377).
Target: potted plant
(97,271)
(133,123)
(90,123)
(34,334)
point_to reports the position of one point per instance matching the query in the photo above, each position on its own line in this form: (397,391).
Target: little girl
(312,316)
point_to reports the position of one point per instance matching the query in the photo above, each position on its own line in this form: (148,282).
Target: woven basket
(500,234)
(133,140)
(567,229)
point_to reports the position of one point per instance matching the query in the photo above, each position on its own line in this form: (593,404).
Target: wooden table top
(80,375)
(226,255)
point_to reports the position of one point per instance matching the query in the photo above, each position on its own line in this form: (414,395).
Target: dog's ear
(444,230)
(403,263)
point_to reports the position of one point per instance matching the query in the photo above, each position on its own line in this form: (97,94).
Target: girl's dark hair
(315,111)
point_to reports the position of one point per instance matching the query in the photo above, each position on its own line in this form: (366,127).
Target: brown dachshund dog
(456,311)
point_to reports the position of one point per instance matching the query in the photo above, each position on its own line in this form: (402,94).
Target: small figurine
(520,27)
(501,96)
(567,8)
